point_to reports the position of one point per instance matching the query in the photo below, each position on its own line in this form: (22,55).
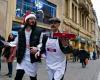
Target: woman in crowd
(84,56)
(9,54)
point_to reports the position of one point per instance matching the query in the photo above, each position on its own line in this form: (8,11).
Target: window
(73,12)
(87,25)
(83,20)
(80,18)
(66,8)
(16,27)
(19,9)
(42,8)
(76,14)
(92,27)
(48,11)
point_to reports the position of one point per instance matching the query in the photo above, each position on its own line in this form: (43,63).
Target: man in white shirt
(27,42)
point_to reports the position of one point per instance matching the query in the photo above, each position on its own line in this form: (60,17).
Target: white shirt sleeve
(40,42)
(14,43)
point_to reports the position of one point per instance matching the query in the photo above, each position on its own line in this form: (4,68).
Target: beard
(54,29)
(31,25)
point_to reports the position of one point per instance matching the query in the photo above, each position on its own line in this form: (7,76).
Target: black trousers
(20,73)
(10,68)
(75,58)
(83,63)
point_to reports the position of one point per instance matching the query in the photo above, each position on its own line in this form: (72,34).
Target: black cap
(54,20)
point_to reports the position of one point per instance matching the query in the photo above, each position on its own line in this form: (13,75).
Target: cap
(54,20)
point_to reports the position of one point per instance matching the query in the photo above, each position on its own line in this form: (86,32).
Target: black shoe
(83,66)
(10,75)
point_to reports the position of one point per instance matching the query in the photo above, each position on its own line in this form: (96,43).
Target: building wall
(7,13)
(3,16)
(99,35)
(77,20)
(10,16)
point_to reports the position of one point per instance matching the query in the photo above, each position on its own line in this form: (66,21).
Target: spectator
(83,55)
(8,55)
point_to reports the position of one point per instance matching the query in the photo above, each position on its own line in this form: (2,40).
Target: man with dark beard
(27,42)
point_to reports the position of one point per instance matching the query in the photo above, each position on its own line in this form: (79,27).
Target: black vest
(34,41)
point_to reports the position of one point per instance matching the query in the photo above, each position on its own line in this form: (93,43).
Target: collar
(28,31)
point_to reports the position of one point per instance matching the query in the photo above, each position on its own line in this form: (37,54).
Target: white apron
(26,65)
(55,59)
(91,55)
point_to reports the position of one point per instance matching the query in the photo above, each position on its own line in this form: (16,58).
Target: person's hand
(5,43)
(33,50)
(43,56)
(37,54)
(65,42)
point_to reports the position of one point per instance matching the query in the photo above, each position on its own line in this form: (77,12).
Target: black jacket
(83,54)
(34,41)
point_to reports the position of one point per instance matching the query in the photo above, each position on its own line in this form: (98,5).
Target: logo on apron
(51,50)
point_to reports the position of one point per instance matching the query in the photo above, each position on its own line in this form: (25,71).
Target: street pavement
(74,71)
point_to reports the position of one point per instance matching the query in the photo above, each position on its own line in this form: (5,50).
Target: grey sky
(96,5)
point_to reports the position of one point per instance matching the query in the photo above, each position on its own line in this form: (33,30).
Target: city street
(30,27)
(74,71)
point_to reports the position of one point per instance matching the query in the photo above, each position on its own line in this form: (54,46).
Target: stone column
(70,6)
(3,17)
(10,16)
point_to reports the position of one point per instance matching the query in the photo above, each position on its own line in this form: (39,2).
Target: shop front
(42,8)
